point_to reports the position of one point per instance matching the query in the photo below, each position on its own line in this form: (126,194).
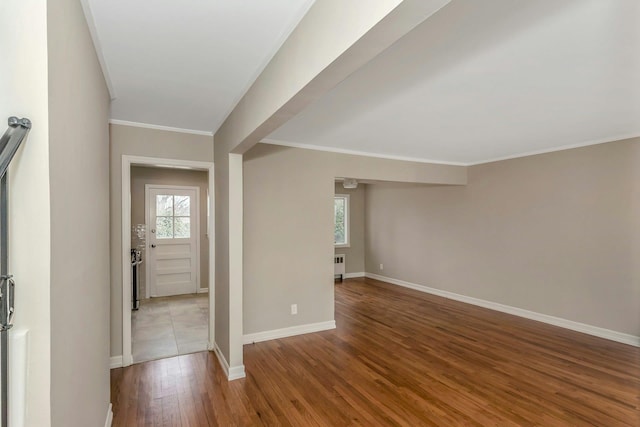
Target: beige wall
(140,176)
(354,254)
(288,227)
(313,59)
(79,186)
(222,250)
(135,141)
(555,233)
(51,75)
(24,93)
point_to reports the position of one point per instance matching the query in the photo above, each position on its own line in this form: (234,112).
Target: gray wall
(140,176)
(555,233)
(135,141)
(288,228)
(79,189)
(354,254)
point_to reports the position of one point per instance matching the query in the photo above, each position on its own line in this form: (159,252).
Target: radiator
(338,266)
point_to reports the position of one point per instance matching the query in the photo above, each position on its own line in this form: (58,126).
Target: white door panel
(176,263)
(173,240)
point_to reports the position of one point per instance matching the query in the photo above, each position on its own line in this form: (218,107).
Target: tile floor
(169,326)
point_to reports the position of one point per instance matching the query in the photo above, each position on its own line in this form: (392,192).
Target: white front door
(173,240)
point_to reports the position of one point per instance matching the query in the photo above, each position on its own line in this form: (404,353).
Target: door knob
(153,245)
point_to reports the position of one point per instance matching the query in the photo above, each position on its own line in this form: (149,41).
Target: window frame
(347,214)
(173,217)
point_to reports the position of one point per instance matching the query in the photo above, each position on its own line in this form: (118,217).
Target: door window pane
(164,205)
(182,229)
(182,205)
(173,217)
(164,227)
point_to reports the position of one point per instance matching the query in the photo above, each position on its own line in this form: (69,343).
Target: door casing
(127,162)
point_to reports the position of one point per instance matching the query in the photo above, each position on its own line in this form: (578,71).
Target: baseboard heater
(339,266)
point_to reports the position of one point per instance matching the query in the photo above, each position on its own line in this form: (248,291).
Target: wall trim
(97,45)
(203,290)
(160,127)
(127,162)
(532,315)
(354,275)
(109,419)
(288,332)
(233,372)
(115,362)
(554,149)
(221,359)
(236,373)
(127,360)
(442,162)
(357,152)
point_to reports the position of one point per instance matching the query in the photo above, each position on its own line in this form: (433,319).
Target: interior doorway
(170,315)
(167,221)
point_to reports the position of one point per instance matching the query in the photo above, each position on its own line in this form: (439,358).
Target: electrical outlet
(294,308)
(381,267)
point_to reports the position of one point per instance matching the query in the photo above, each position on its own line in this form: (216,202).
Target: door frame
(127,162)
(147,212)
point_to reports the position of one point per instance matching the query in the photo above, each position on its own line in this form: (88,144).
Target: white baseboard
(545,318)
(236,372)
(115,362)
(221,359)
(233,372)
(109,419)
(288,332)
(353,275)
(203,290)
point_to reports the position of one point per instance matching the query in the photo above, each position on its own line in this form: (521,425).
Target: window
(173,217)
(341,220)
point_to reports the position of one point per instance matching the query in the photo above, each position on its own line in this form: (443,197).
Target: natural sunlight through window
(173,217)
(341,220)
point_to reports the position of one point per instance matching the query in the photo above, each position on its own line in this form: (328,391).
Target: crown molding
(554,149)
(441,162)
(93,31)
(357,153)
(158,127)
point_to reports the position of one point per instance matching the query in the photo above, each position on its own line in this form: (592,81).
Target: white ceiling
(186,64)
(491,79)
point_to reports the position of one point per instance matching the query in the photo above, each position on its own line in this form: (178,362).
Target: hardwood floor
(398,357)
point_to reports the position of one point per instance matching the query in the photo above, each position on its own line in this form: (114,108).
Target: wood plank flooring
(398,357)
